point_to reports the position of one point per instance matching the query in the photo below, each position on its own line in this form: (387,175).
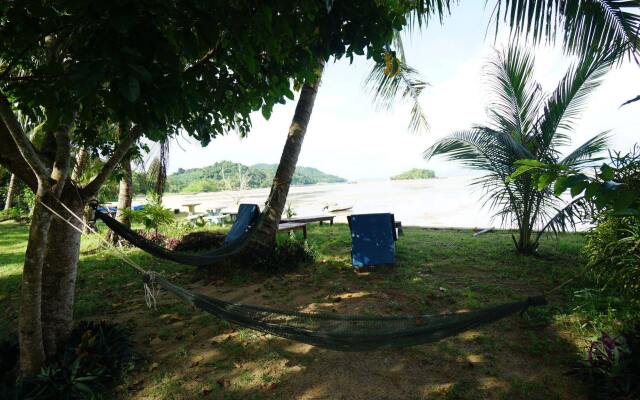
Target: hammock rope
(327,330)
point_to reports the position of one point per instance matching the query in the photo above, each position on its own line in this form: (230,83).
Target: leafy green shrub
(612,366)
(289,211)
(198,241)
(96,354)
(14,213)
(287,255)
(613,254)
(153,215)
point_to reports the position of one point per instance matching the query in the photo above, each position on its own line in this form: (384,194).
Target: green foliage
(612,366)
(227,175)
(582,25)
(289,211)
(94,357)
(302,176)
(153,215)
(288,254)
(525,124)
(203,186)
(208,70)
(614,187)
(415,173)
(13,213)
(393,81)
(613,254)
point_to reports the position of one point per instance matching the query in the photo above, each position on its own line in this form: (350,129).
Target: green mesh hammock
(344,332)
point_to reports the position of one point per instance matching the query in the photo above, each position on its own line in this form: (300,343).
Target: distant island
(415,173)
(227,175)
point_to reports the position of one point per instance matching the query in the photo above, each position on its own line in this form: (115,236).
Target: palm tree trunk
(125,197)
(264,236)
(11,190)
(125,194)
(81,161)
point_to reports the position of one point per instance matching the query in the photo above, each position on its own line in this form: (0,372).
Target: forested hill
(415,173)
(302,176)
(227,175)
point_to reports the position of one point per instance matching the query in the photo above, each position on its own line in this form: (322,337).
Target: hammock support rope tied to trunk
(331,331)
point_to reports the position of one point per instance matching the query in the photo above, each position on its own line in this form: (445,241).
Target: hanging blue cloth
(247,215)
(372,239)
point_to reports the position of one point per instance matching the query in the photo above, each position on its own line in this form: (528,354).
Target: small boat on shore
(335,207)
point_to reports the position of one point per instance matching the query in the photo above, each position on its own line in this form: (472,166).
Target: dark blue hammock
(234,242)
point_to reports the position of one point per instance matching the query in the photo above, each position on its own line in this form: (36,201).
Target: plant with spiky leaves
(526,124)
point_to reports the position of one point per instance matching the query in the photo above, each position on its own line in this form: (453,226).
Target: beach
(439,202)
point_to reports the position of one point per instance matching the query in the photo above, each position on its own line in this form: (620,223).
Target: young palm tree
(526,124)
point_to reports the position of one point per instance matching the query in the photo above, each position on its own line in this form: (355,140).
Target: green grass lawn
(188,354)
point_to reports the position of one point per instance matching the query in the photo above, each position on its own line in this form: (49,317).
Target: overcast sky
(349,138)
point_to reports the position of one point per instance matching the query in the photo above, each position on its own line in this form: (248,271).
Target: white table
(191,207)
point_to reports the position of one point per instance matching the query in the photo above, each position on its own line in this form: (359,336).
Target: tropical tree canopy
(524,123)
(166,65)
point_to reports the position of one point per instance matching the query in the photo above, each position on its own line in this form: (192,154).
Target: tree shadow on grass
(197,355)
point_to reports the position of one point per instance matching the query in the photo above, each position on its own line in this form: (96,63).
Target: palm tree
(526,124)
(388,81)
(582,22)
(264,236)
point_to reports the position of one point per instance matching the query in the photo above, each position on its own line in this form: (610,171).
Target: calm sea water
(441,202)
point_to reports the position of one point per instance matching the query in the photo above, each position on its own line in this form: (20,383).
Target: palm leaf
(585,152)
(568,217)
(517,97)
(567,101)
(424,10)
(637,98)
(581,24)
(387,90)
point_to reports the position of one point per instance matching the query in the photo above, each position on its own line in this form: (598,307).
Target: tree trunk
(81,162)
(125,194)
(59,275)
(125,197)
(264,236)
(32,354)
(11,189)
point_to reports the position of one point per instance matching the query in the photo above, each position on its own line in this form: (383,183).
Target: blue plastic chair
(247,214)
(373,239)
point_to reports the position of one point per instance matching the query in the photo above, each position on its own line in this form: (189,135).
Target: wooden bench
(290,226)
(311,218)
